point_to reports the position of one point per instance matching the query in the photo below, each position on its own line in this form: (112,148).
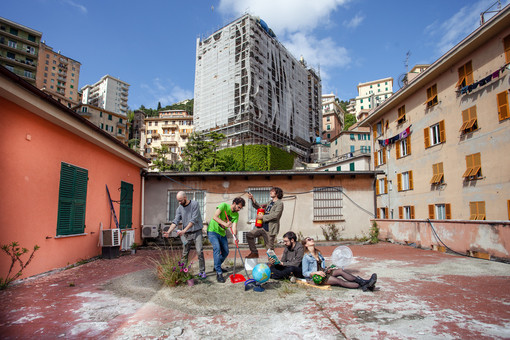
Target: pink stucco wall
(31,153)
(461,236)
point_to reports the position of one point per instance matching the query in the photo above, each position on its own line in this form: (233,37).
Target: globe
(261,273)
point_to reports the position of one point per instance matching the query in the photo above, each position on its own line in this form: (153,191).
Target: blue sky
(151,44)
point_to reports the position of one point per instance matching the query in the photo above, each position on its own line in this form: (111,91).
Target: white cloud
(164,92)
(354,22)
(82,8)
(285,16)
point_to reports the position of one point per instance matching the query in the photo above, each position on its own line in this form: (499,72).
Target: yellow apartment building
(113,123)
(442,139)
(172,128)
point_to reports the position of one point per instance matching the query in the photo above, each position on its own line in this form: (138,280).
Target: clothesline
(482,82)
(402,135)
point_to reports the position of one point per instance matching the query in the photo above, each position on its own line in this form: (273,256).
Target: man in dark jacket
(291,259)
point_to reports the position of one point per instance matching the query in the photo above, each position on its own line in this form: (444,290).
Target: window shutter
(399,143)
(477,165)
(431,211)
(481,211)
(503,105)
(400,212)
(378,213)
(434,174)
(426,134)
(469,73)
(506,44)
(411,180)
(126,205)
(440,172)
(386,212)
(442,133)
(462,76)
(412,212)
(384,155)
(377,187)
(375,160)
(374,131)
(448,210)
(408,145)
(72,200)
(385,185)
(469,165)
(399,182)
(472,210)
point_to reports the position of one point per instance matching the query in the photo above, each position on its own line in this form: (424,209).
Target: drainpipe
(375,195)
(143,198)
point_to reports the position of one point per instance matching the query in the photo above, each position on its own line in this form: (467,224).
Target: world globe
(261,273)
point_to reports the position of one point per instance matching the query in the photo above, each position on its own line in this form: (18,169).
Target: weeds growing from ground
(15,252)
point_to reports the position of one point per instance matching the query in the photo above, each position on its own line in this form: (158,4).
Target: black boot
(366,284)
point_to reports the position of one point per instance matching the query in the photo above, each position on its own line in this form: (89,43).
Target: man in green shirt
(225,217)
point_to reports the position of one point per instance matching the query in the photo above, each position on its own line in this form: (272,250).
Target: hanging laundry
(485,80)
(496,74)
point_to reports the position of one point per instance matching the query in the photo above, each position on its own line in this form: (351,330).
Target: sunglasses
(309,239)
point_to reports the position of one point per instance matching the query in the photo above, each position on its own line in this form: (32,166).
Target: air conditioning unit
(128,238)
(165,227)
(150,231)
(242,237)
(111,238)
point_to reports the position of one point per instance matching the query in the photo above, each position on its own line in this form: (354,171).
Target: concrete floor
(422,294)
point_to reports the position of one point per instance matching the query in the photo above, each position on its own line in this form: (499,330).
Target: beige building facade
(172,128)
(372,94)
(58,76)
(332,117)
(113,123)
(441,139)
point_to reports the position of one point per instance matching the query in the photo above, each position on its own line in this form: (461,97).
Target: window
(328,127)
(261,195)
(351,166)
(126,205)
(477,210)
(406,212)
(405,181)
(382,213)
(473,167)
(465,75)
(381,186)
(503,112)
(120,120)
(31,37)
(401,114)
(100,113)
(434,134)
(107,128)
(352,148)
(11,55)
(110,117)
(431,96)
(437,173)
(403,147)
(506,44)
(13,44)
(380,157)
(13,31)
(83,109)
(102,126)
(469,122)
(327,204)
(72,199)
(339,168)
(352,136)
(442,211)
(195,195)
(328,119)
(30,50)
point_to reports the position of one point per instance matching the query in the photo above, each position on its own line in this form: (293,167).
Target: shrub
(171,270)
(15,252)
(331,232)
(374,233)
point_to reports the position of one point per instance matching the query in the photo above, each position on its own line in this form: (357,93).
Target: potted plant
(134,246)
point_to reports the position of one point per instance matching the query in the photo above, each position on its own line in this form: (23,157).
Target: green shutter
(72,200)
(126,205)
(351,166)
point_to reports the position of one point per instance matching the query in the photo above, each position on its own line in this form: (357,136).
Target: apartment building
(371,95)
(58,75)
(441,139)
(172,128)
(250,88)
(109,93)
(113,123)
(332,117)
(19,48)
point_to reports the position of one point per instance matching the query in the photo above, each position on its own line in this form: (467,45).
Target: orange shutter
(426,134)
(385,185)
(408,145)
(506,44)
(375,160)
(448,209)
(431,211)
(400,212)
(384,155)
(399,143)
(411,180)
(462,75)
(503,105)
(465,119)
(440,172)
(472,210)
(386,212)
(477,165)
(399,182)
(434,174)
(412,212)
(481,211)
(378,213)
(377,187)
(469,165)
(442,133)
(469,73)
(374,131)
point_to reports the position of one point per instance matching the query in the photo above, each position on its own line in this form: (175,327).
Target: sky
(151,44)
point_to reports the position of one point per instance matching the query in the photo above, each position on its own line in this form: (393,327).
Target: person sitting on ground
(314,265)
(290,261)
(271,222)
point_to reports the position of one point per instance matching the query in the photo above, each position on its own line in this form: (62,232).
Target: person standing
(271,222)
(226,216)
(291,260)
(188,212)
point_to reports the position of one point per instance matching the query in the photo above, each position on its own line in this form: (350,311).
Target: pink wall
(31,154)
(461,236)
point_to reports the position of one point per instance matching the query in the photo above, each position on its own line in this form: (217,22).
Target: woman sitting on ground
(314,265)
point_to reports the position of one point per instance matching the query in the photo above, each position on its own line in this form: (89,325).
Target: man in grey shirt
(291,259)
(188,212)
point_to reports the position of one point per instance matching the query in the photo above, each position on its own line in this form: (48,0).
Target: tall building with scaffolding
(250,88)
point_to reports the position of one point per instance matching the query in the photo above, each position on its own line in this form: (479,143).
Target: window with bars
(261,196)
(195,195)
(72,199)
(469,121)
(327,204)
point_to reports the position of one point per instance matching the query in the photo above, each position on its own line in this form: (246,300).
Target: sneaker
(252,255)
(220,278)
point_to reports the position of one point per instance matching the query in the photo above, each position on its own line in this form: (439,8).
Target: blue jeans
(220,249)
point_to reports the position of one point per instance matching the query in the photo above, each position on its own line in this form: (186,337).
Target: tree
(159,106)
(200,153)
(349,120)
(161,163)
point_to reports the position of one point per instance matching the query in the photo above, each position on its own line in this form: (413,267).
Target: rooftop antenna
(482,18)
(402,79)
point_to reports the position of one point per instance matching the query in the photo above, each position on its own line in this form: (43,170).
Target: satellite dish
(342,256)
(402,80)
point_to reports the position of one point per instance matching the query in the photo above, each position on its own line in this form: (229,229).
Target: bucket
(249,264)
